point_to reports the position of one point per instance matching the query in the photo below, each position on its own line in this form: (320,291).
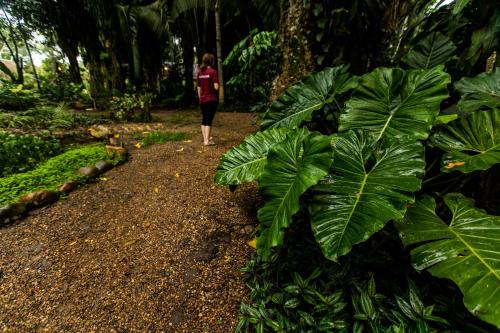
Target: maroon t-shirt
(206,78)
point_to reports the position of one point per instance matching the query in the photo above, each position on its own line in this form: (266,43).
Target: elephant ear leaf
(246,162)
(299,102)
(466,250)
(294,165)
(471,143)
(369,184)
(480,92)
(434,50)
(391,102)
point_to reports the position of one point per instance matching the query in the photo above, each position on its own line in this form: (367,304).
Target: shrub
(15,97)
(46,117)
(359,154)
(51,174)
(19,153)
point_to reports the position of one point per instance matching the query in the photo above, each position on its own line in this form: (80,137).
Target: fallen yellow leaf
(72,243)
(145,133)
(117,136)
(130,242)
(187,141)
(147,225)
(451,165)
(181,149)
(103,178)
(156,189)
(138,145)
(253,243)
(177,175)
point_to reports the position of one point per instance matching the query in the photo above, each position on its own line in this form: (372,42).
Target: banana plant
(465,249)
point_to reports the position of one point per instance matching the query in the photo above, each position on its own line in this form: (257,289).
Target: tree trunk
(71,52)
(218,40)
(297,57)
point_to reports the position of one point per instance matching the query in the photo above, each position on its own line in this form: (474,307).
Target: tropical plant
(51,174)
(20,153)
(365,175)
(251,66)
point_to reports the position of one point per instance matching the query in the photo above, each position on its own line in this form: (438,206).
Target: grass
(162,137)
(53,173)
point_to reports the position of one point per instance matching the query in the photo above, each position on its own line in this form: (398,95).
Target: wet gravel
(154,246)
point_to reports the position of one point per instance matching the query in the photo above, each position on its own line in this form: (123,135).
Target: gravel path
(153,247)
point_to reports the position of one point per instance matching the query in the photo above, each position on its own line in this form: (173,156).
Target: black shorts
(208,112)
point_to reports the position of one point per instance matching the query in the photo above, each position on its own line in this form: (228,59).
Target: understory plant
(19,153)
(47,117)
(251,67)
(354,155)
(51,174)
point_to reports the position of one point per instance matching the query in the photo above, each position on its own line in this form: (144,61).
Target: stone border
(40,198)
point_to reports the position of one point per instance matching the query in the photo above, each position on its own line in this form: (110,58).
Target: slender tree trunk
(28,49)
(187,59)
(15,55)
(218,40)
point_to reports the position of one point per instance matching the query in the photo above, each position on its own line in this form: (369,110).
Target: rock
(103,166)
(68,186)
(89,171)
(120,151)
(40,197)
(115,142)
(11,212)
(99,131)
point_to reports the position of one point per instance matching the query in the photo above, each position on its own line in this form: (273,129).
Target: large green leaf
(434,50)
(391,101)
(299,102)
(471,143)
(480,92)
(293,166)
(370,183)
(467,250)
(246,162)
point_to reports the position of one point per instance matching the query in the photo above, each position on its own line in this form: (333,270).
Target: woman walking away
(208,93)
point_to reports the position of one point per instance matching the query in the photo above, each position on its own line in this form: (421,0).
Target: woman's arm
(216,86)
(199,92)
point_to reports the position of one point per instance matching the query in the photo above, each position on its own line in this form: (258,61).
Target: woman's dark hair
(207,60)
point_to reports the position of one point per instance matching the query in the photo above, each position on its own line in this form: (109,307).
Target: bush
(19,153)
(252,65)
(46,117)
(15,97)
(54,172)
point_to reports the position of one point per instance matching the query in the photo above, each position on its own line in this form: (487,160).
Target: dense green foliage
(53,173)
(299,290)
(162,137)
(14,97)
(46,117)
(251,67)
(20,153)
(394,135)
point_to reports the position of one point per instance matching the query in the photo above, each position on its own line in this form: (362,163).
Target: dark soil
(154,246)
